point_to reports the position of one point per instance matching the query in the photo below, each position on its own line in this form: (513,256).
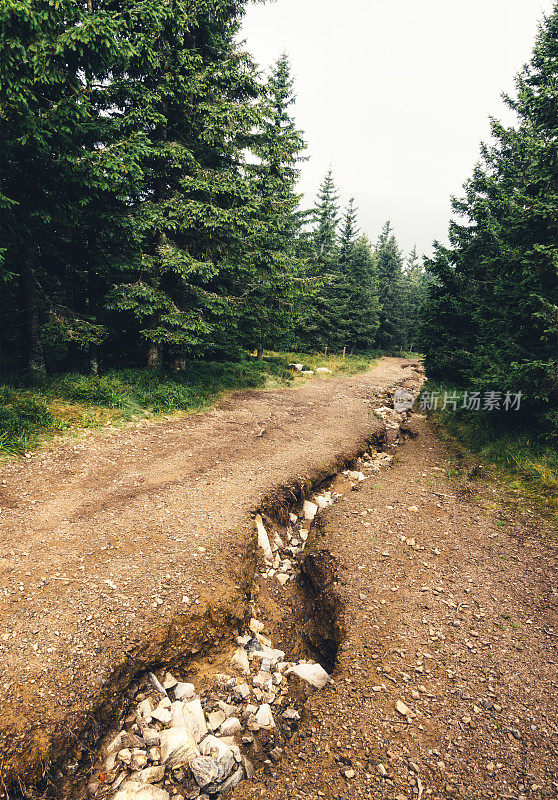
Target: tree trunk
(35,357)
(260,353)
(153,356)
(93,361)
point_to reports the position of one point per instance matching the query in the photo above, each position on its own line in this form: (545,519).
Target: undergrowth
(30,414)
(524,460)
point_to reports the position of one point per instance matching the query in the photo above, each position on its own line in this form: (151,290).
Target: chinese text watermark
(470,401)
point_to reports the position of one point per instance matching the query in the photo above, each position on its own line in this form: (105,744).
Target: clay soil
(125,548)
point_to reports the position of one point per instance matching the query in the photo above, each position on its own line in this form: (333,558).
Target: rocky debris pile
(187,744)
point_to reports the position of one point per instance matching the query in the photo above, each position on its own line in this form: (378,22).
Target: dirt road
(119,547)
(450,606)
(128,549)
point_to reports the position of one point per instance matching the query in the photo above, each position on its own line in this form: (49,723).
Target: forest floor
(128,549)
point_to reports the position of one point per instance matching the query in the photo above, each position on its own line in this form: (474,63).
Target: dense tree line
(492,314)
(149,211)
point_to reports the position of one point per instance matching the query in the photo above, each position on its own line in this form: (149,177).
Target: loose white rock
(184,691)
(231,726)
(264,717)
(314,674)
(240,661)
(242,691)
(309,509)
(263,539)
(132,790)
(149,775)
(215,719)
(178,746)
(220,752)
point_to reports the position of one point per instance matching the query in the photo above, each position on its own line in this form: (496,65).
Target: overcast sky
(396,95)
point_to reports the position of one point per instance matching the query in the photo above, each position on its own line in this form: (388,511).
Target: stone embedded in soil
(132,790)
(312,674)
(150,774)
(402,709)
(263,539)
(309,510)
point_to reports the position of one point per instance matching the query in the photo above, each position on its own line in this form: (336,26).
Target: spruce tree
(190,91)
(492,315)
(326,219)
(274,271)
(318,325)
(413,295)
(57,183)
(389,264)
(361,316)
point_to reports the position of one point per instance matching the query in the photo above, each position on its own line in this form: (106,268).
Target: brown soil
(462,628)
(119,549)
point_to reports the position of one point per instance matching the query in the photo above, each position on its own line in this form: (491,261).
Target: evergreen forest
(151,219)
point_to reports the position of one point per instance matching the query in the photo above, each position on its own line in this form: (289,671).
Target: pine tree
(274,280)
(493,307)
(189,90)
(390,265)
(56,183)
(361,314)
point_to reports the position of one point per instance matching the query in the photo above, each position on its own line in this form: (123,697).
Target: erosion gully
(218,698)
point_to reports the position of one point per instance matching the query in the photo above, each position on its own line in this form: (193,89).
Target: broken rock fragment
(132,790)
(312,674)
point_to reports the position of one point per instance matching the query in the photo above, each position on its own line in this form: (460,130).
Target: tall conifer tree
(492,315)
(389,264)
(274,278)
(190,90)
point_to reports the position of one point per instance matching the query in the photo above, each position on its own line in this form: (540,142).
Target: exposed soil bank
(128,548)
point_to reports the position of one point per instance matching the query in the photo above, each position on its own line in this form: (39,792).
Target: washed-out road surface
(129,549)
(112,543)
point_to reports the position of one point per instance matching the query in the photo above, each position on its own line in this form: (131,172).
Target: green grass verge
(520,457)
(32,414)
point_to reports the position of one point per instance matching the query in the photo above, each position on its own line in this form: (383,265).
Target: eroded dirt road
(115,544)
(128,550)
(450,607)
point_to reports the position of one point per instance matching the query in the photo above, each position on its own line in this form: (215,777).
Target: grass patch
(31,414)
(521,459)
(350,365)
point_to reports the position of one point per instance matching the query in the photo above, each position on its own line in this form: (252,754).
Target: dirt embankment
(127,548)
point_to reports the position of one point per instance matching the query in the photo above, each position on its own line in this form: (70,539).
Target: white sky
(396,95)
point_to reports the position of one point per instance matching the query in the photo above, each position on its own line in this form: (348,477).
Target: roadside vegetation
(515,454)
(33,413)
